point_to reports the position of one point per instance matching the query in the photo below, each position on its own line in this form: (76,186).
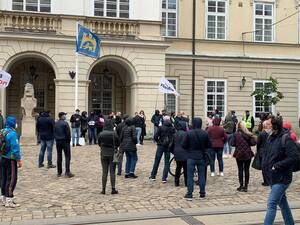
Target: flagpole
(76,70)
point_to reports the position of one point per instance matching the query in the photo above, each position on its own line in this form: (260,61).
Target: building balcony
(26,22)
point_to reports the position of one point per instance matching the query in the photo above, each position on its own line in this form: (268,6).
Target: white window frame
(263,18)
(166,11)
(253,98)
(226,14)
(38,6)
(225,95)
(177,89)
(117,10)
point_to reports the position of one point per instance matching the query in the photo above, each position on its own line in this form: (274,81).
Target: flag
(87,42)
(4,79)
(166,87)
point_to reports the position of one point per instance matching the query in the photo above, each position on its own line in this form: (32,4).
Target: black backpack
(3,144)
(296,166)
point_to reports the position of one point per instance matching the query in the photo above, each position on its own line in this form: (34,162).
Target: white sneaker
(138,144)
(3,200)
(221,174)
(10,203)
(225,156)
(212,174)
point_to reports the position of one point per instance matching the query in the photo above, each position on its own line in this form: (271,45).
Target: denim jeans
(201,168)
(219,153)
(92,135)
(138,134)
(49,145)
(75,134)
(131,160)
(159,152)
(278,197)
(155,131)
(227,147)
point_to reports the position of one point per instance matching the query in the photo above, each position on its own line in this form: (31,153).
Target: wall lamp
(243,82)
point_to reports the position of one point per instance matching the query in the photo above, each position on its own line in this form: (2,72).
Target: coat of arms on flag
(87,42)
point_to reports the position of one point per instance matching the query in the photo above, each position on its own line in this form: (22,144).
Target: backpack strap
(284,139)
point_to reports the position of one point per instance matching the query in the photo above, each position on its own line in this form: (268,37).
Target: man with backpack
(164,140)
(10,162)
(278,163)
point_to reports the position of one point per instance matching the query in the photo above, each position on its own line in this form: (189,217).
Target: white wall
(139,9)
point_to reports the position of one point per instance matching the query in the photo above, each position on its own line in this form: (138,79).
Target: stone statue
(28,102)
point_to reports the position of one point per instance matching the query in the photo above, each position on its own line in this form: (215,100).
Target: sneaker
(69,175)
(51,166)
(78,145)
(202,195)
(126,175)
(152,178)
(41,165)
(10,203)
(3,200)
(188,197)
(244,189)
(212,174)
(58,175)
(221,174)
(138,144)
(225,156)
(133,176)
(239,188)
(114,192)
(164,181)
(103,192)
(73,145)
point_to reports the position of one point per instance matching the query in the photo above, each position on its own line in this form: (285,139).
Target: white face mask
(269,131)
(16,126)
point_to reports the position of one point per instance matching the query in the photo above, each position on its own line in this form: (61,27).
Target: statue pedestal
(28,136)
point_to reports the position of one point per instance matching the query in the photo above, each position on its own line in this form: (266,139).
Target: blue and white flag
(87,42)
(166,87)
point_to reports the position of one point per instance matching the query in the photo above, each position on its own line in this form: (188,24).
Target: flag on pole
(87,42)
(166,87)
(4,79)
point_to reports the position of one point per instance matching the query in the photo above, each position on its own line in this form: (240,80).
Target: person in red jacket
(218,138)
(287,125)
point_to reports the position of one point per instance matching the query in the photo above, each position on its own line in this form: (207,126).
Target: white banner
(166,87)
(4,79)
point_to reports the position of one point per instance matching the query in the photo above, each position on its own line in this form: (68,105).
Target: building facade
(144,40)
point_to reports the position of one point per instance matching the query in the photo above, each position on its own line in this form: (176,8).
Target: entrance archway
(110,87)
(38,72)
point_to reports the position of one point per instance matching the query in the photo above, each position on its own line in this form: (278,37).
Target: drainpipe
(193,59)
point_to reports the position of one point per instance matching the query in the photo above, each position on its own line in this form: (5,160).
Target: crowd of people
(195,148)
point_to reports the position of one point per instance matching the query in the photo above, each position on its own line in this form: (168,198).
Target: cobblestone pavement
(43,195)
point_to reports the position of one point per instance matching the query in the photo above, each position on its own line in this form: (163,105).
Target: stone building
(144,40)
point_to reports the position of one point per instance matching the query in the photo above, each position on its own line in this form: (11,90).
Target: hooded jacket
(197,141)
(156,118)
(128,136)
(108,139)
(164,131)
(278,160)
(45,127)
(12,142)
(179,152)
(217,134)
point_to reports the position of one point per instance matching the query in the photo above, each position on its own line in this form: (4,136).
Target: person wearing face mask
(62,136)
(248,120)
(75,123)
(279,158)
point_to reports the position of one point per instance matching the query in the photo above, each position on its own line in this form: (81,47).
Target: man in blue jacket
(279,157)
(10,162)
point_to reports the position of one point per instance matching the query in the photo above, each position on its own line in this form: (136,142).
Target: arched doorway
(110,87)
(38,72)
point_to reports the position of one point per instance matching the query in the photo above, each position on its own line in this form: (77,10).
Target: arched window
(112,8)
(32,5)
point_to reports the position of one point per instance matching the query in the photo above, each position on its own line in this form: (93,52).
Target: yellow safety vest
(247,122)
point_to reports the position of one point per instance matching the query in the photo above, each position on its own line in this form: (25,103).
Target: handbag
(256,164)
(116,156)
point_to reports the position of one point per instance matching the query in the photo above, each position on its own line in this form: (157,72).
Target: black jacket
(62,131)
(156,118)
(108,141)
(139,121)
(261,143)
(179,152)
(45,127)
(128,137)
(278,160)
(197,141)
(166,130)
(84,123)
(75,120)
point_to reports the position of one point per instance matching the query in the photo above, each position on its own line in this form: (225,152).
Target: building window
(264,19)
(170,99)
(259,107)
(112,8)
(39,94)
(169,18)
(32,5)
(216,19)
(215,94)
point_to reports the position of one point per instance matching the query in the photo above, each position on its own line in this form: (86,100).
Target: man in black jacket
(197,143)
(62,136)
(280,155)
(75,124)
(164,139)
(119,131)
(156,119)
(45,127)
